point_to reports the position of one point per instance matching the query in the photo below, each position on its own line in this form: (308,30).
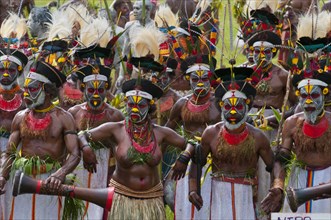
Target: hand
(2,185)
(179,170)
(54,181)
(195,199)
(89,160)
(273,201)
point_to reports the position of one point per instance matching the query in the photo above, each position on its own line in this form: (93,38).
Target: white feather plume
(78,13)
(61,26)
(164,16)
(13,25)
(146,41)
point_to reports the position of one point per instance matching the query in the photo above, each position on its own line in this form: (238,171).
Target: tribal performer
(194,112)
(43,144)
(138,152)
(90,114)
(306,136)
(235,148)
(12,63)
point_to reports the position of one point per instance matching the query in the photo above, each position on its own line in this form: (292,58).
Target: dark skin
(209,142)
(192,127)
(277,84)
(135,176)
(169,94)
(274,200)
(57,146)
(79,112)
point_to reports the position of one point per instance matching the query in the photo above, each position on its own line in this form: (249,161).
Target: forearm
(193,186)
(69,165)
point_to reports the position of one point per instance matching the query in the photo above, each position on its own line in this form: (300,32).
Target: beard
(230,126)
(311,116)
(32,104)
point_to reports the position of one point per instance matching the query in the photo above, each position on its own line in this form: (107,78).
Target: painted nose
(200,84)
(25,94)
(309,101)
(233,112)
(6,75)
(96,96)
(135,110)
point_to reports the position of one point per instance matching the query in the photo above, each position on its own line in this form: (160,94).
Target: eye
(130,104)
(227,107)
(142,105)
(257,51)
(315,95)
(195,79)
(33,89)
(303,96)
(11,70)
(267,51)
(90,90)
(101,90)
(240,107)
(2,69)
(205,79)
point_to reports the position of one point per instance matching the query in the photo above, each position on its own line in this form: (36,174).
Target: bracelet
(85,145)
(184,159)
(187,153)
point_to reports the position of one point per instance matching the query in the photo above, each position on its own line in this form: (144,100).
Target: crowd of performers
(133,98)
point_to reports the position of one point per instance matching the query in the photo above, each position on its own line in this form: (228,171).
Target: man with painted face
(307,136)
(131,26)
(235,147)
(12,63)
(270,82)
(194,113)
(43,143)
(170,96)
(90,114)
(268,78)
(138,188)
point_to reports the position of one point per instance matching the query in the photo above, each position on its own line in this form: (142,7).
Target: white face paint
(312,102)
(34,94)
(234,112)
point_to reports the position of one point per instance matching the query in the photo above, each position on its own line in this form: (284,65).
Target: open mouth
(310,109)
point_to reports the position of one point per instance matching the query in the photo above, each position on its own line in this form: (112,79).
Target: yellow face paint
(200,72)
(6,64)
(26,82)
(96,84)
(136,99)
(135,110)
(308,88)
(233,101)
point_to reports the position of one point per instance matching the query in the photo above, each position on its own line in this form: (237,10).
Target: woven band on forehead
(314,82)
(263,43)
(39,77)
(11,59)
(95,77)
(234,93)
(139,93)
(196,67)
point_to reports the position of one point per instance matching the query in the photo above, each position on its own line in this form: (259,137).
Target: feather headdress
(96,32)
(313,26)
(146,41)
(13,27)
(79,14)
(164,17)
(60,27)
(258,4)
